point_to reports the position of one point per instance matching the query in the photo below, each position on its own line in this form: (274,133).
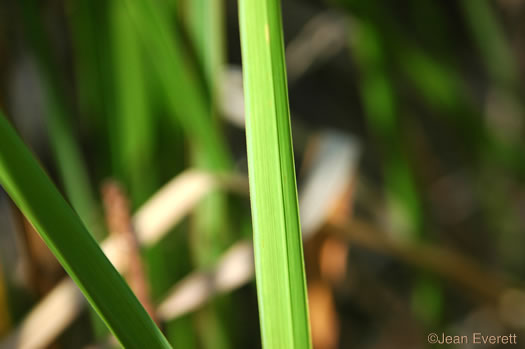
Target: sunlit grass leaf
(279,264)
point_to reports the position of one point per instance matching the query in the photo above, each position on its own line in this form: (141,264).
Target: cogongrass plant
(279,266)
(69,240)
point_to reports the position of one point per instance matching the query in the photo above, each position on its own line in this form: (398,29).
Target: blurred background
(408,124)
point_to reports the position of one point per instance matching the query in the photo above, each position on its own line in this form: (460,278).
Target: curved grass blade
(281,284)
(62,230)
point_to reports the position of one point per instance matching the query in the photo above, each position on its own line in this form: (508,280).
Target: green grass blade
(206,29)
(490,39)
(210,224)
(133,122)
(185,95)
(62,230)
(89,25)
(281,285)
(66,150)
(380,103)
(211,228)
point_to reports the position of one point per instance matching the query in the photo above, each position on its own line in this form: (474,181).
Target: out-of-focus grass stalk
(210,225)
(502,68)
(189,100)
(441,86)
(67,153)
(427,19)
(490,39)
(89,23)
(205,21)
(207,33)
(4,308)
(132,122)
(381,109)
(69,240)
(184,93)
(279,265)
(504,74)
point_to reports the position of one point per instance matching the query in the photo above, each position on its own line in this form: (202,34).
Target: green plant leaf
(281,283)
(185,95)
(62,230)
(66,150)
(133,121)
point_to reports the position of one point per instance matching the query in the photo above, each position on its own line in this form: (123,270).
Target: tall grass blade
(210,234)
(206,29)
(62,230)
(185,95)
(490,38)
(381,106)
(281,282)
(67,153)
(89,23)
(133,122)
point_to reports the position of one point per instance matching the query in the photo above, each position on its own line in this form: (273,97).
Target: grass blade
(66,150)
(211,231)
(281,283)
(490,39)
(62,230)
(381,107)
(206,30)
(133,122)
(380,103)
(185,96)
